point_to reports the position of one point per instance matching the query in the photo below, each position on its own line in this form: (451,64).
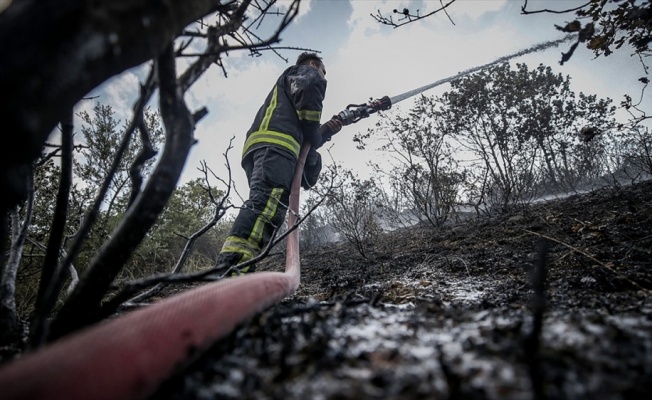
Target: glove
(329,128)
(311,170)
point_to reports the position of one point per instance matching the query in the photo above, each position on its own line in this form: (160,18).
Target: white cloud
(121,93)
(304,7)
(472,9)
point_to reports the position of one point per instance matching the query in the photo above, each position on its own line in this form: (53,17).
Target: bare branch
(147,152)
(590,257)
(83,304)
(51,276)
(407,17)
(220,211)
(257,53)
(212,274)
(545,10)
(91,214)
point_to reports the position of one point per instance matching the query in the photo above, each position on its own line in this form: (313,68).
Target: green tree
(101,139)
(483,111)
(554,117)
(602,26)
(523,128)
(9,321)
(46,181)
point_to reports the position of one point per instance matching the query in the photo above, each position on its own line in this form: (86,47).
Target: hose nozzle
(355,112)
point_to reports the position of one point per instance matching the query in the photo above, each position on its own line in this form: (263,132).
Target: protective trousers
(269,172)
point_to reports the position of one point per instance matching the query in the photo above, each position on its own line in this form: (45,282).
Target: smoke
(531,49)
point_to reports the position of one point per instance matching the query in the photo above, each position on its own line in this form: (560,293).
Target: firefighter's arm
(308,90)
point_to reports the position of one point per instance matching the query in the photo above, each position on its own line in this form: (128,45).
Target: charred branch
(82,307)
(407,17)
(524,10)
(129,291)
(61,50)
(51,276)
(147,152)
(220,210)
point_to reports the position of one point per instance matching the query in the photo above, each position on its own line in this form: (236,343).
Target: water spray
(355,112)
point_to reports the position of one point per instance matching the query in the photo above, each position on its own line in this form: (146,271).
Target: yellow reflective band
(267,215)
(245,255)
(272,137)
(309,115)
(234,244)
(270,110)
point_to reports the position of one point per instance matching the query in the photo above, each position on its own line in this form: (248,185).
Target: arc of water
(531,49)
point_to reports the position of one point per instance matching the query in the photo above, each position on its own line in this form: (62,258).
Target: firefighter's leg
(270,179)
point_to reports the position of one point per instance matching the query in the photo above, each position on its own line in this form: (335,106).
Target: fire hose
(129,356)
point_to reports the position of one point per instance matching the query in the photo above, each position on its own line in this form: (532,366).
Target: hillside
(451,313)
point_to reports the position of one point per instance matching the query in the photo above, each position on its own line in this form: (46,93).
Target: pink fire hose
(128,357)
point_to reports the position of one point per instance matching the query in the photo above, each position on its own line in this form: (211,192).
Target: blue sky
(367,60)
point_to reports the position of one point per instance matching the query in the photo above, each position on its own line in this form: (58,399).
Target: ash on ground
(452,313)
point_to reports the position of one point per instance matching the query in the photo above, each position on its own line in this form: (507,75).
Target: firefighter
(289,116)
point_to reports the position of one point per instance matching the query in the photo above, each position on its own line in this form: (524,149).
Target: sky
(366,60)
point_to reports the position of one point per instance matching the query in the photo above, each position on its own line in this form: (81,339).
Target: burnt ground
(451,313)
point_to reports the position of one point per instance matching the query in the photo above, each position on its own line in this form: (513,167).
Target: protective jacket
(290,114)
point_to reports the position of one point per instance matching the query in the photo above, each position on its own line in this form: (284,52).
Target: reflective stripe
(270,110)
(266,216)
(235,244)
(277,138)
(309,115)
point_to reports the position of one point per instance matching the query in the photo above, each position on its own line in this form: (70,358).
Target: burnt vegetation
(551,301)
(440,276)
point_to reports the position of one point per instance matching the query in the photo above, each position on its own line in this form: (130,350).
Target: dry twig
(636,285)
